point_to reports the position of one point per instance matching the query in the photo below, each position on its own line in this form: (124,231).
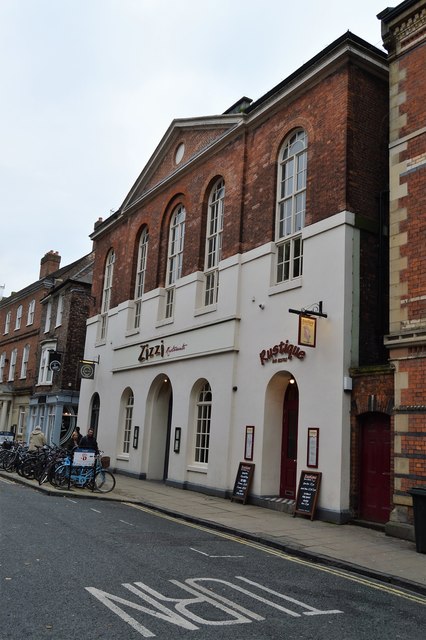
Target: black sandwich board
(307,493)
(243,481)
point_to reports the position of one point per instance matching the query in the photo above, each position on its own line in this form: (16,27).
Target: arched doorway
(289,442)
(375,457)
(94,413)
(160,403)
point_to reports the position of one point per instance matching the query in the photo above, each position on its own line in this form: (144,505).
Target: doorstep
(285,505)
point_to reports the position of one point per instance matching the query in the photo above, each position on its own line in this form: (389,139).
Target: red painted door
(375,468)
(289,442)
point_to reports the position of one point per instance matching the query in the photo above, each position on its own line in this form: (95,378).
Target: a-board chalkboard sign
(243,481)
(307,493)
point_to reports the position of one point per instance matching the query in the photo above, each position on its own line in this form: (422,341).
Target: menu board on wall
(307,493)
(243,481)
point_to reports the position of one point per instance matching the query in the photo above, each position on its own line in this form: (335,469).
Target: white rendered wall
(223,346)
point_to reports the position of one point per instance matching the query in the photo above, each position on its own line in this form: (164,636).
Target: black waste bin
(419,506)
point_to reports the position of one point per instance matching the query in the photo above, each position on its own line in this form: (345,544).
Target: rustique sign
(281,353)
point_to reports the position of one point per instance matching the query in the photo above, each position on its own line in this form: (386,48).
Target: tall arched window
(129,401)
(140,276)
(291,206)
(12,364)
(175,256)
(2,365)
(25,358)
(214,242)
(106,294)
(7,322)
(31,309)
(18,317)
(202,426)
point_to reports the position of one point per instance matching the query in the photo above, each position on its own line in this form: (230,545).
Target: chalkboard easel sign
(307,493)
(243,481)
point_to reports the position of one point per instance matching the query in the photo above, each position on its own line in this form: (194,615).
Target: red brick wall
(335,117)
(23,336)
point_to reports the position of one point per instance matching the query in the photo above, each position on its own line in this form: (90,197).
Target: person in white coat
(37,439)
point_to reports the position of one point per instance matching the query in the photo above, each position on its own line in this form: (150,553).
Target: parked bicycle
(95,477)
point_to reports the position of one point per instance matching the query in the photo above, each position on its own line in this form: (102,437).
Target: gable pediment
(183,142)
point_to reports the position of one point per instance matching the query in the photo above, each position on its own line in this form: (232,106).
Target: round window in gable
(179,153)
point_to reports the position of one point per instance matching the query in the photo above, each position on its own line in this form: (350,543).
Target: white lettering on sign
(180,610)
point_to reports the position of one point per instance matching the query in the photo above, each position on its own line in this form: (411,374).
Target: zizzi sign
(150,351)
(281,353)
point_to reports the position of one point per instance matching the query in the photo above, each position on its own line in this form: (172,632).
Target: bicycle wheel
(26,469)
(59,475)
(104,481)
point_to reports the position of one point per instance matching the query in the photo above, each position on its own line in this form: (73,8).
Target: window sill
(203,310)
(123,456)
(132,332)
(197,469)
(162,323)
(285,286)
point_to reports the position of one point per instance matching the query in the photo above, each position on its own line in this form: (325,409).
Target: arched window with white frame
(291,206)
(140,276)
(7,322)
(202,424)
(174,257)
(127,420)
(18,317)
(106,293)
(213,249)
(31,310)
(2,365)
(12,365)
(24,363)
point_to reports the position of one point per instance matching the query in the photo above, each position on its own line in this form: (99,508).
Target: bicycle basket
(105,462)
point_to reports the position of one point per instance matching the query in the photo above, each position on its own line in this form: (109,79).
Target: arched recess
(273,464)
(158,420)
(95,406)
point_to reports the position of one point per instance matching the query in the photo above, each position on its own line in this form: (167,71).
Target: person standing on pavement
(89,441)
(73,443)
(79,436)
(37,439)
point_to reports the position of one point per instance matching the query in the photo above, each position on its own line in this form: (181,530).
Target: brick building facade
(404,36)
(237,221)
(45,318)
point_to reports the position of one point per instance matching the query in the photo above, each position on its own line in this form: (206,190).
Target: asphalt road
(92,569)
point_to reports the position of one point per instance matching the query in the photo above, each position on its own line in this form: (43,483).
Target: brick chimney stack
(49,263)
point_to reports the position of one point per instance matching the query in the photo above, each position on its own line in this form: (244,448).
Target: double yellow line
(412,597)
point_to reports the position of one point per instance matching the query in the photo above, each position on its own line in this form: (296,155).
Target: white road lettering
(180,612)
(181,605)
(163,613)
(311,611)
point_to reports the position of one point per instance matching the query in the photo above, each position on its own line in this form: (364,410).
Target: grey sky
(89,87)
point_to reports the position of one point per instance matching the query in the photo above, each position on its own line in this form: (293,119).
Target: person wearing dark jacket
(89,442)
(73,443)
